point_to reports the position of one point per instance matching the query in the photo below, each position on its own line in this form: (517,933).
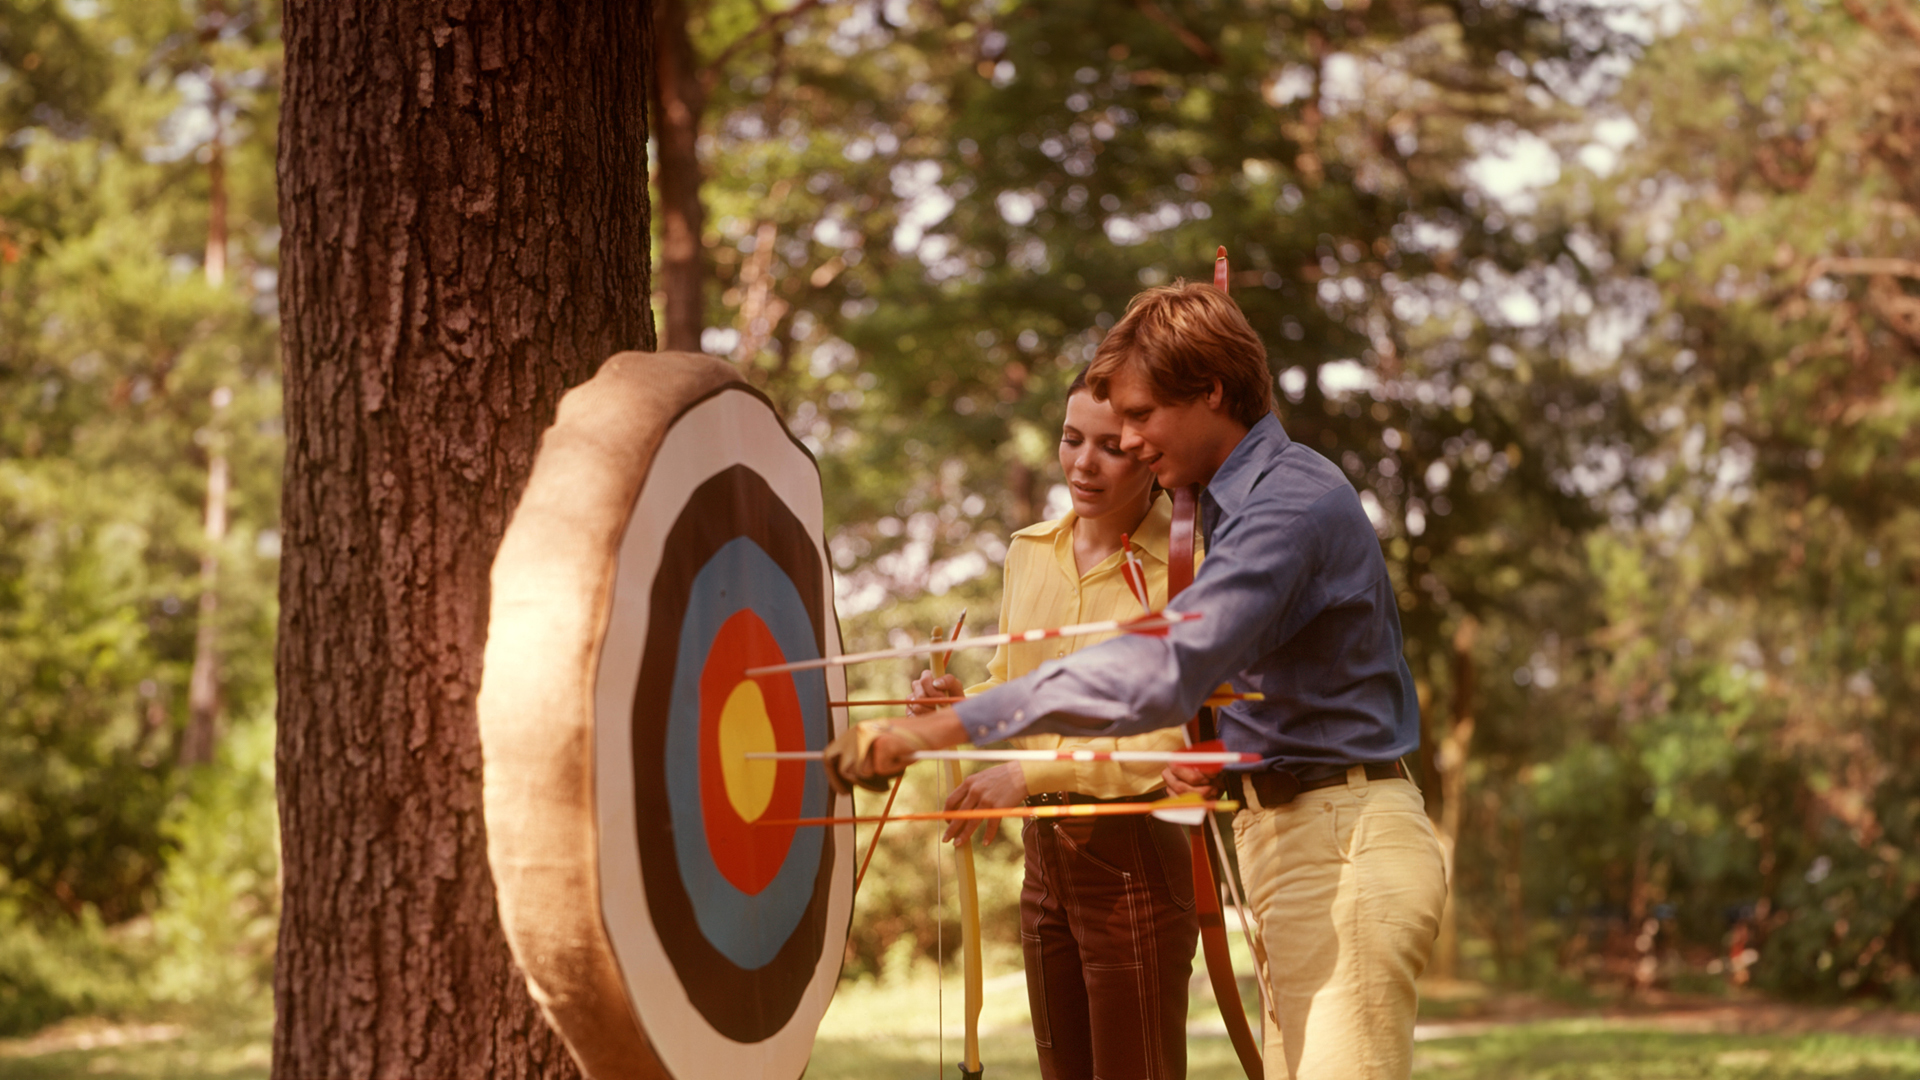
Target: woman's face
(1102,478)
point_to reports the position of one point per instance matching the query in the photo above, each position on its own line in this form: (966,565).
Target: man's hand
(1191,779)
(870,754)
(931,685)
(848,759)
(999,787)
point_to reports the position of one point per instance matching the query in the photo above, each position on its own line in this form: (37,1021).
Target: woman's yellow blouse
(1044,588)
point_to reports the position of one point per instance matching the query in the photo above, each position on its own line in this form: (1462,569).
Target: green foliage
(1738,762)
(208,944)
(123,371)
(218,917)
(49,971)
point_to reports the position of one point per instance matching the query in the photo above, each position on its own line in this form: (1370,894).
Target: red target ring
(738,715)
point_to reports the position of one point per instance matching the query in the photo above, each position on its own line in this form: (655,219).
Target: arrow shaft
(985,812)
(1143,625)
(1214,701)
(1181,757)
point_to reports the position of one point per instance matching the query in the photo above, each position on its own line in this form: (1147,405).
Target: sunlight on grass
(888,1030)
(1607,1050)
(234,1049)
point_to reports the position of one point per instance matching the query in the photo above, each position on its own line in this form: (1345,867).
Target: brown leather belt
(1074,798)
(1278,787)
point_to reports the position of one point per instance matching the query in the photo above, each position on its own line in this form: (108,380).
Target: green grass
(1613,1050)
(232,1049)
(885,1032)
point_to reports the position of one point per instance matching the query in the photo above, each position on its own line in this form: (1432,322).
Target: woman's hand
(928,685)
(1001,786)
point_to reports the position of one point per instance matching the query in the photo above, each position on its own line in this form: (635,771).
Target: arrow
(1155,624)
(1181,809)
(1174,757)
(1213,701)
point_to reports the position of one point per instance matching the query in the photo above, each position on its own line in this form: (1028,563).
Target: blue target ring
(747,929)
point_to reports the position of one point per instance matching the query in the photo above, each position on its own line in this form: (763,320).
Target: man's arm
(1255,589)
(1258,586)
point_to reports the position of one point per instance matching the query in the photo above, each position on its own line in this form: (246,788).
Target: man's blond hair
(1185,337)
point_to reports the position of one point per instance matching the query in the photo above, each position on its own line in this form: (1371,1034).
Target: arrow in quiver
(670,537)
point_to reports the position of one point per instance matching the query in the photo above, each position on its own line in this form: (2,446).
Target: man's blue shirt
(1296,605)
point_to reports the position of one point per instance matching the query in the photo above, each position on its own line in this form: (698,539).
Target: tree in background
(462,187)
(126,369)
(1740,765)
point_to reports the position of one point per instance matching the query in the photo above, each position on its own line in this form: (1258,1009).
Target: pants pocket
(1175,848)
(1081,844)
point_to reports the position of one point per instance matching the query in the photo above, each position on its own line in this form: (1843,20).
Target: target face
(728,933)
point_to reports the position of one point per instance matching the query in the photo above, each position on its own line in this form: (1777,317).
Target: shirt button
(1018,716)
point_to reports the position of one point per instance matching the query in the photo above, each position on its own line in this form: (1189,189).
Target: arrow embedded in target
(1154,624)
(1181,809)
(1214,700)
(1178,757)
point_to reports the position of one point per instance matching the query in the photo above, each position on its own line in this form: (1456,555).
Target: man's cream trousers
(1347,883)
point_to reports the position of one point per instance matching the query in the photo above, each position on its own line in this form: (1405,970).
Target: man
(1342,867)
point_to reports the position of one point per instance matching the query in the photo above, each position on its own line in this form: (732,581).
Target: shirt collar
(1248,462)
(1149,537)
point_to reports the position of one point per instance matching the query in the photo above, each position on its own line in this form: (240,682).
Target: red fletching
(1128,626)
(1134,573)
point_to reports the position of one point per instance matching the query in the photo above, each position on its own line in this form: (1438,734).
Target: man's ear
(1217,396)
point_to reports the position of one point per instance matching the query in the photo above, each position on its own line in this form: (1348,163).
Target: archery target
(729,933)
(670,537)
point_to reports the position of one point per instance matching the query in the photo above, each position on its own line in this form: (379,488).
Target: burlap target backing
(670,537)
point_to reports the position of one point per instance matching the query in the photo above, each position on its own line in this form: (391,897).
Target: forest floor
(895,1031)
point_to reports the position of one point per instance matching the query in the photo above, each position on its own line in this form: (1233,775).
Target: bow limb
(1206,888)
(972,976)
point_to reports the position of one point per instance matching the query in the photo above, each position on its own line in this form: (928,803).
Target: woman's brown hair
(1185,337)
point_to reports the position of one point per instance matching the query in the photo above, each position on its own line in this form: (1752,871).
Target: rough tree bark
(463,193)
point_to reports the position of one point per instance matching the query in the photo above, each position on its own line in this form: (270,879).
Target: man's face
(1178,442)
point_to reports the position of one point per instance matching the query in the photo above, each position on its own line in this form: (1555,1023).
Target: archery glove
(848,756)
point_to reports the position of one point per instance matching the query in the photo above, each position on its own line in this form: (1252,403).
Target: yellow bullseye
(745,729)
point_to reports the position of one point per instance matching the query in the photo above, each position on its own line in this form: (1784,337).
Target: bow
(1207,868)
(969,890)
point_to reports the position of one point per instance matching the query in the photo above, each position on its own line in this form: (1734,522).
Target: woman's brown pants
(1108,926)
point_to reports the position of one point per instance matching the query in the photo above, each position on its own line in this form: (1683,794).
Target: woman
(1106,912)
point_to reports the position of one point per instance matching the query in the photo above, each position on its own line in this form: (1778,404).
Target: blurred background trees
(138,370)
(1610,314)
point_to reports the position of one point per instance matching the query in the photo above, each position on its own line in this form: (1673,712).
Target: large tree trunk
(463,193)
